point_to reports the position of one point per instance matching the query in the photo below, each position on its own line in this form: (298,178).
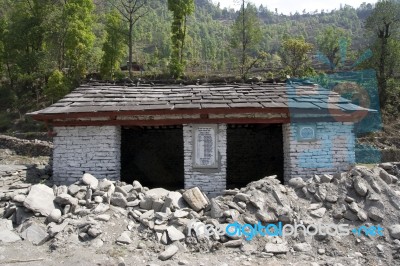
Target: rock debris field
(102,222)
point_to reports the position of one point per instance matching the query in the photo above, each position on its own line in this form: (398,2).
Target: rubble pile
(86,210)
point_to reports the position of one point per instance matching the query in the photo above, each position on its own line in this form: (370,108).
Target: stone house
(211,136)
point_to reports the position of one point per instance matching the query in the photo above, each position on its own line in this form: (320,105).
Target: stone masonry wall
(333,150)
(211,181)
(94,150)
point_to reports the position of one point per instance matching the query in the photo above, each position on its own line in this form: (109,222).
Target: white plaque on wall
(205,146)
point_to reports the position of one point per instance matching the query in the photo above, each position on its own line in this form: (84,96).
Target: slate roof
(112,98)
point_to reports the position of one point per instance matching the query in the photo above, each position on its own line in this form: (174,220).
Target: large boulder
(90,180)
(118,199)
(40,199)
(196,199)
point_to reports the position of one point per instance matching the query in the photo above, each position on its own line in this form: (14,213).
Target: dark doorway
(253,151)
(153,156)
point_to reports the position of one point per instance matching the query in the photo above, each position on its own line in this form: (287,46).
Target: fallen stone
(266,217)
(54,216)
(118,199)
(242,197)
(276,248)
(157,193)
(319,212)
(101,208)
(94,232)
(40,199)
(137,186)
(170,251)
(394,231)
(124,238)
(175,200)
(174,234)
(98,199)
(388,178)
(216,211)
(90,180)
(325,178)
(180,214)
(35,234)
(196,199)
(19,198)
(104,184)
(362,215)
(375,214)
(53,228)
(297,182)
(233,243)
(360,186)
(73,189)
(302,247)
(7,236)
(103,217)
(66,199)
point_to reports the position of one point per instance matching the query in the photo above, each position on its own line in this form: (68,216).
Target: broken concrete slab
(35,234)
(40,199)
(196,199)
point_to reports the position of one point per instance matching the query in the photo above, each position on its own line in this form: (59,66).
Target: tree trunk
(382,83)
(130,41)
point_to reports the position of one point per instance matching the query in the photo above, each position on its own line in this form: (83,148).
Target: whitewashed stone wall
(332,151)
(211,181)
(94,150)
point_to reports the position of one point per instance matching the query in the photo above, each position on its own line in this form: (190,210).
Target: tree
(181,9)
(131,11)
(113,47)
(56,86)
(246,35)
(294,55)
(384,22)
(332,44)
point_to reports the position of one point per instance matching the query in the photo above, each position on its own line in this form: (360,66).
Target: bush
(57,86)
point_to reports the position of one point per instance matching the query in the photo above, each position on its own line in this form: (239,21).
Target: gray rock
(170,251)
(66,199)
(6,224)
(117,199)
(362,215)
(325,178)
(7,236)
(360,186)
(101,208)
(54,216)
(196,199)
(233,243)
(133,203)
(175,200)
(180,214)
(73,189)
(90,180)
(388,178)
(302,247)
(276,248)
(216,211)
(35,234)
(127,188)
(53,228)
(104,184)
(157,205)
(375,214)
(103,217)
(98,199)
(124,238)
(319,212)
(394,231)
(297,182)
(354,207)
(174,234)
(19,198)
(242,197)
(157,193)
(266,217)
(121,190)
(94,232)
(137,186)
(40,199)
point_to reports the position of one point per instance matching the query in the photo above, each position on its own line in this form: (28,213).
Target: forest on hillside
(49,47)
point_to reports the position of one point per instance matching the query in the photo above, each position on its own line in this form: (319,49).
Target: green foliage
(57,86)
(113,47)
(246,37)
(295,58)
(331,42)
(180,9)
